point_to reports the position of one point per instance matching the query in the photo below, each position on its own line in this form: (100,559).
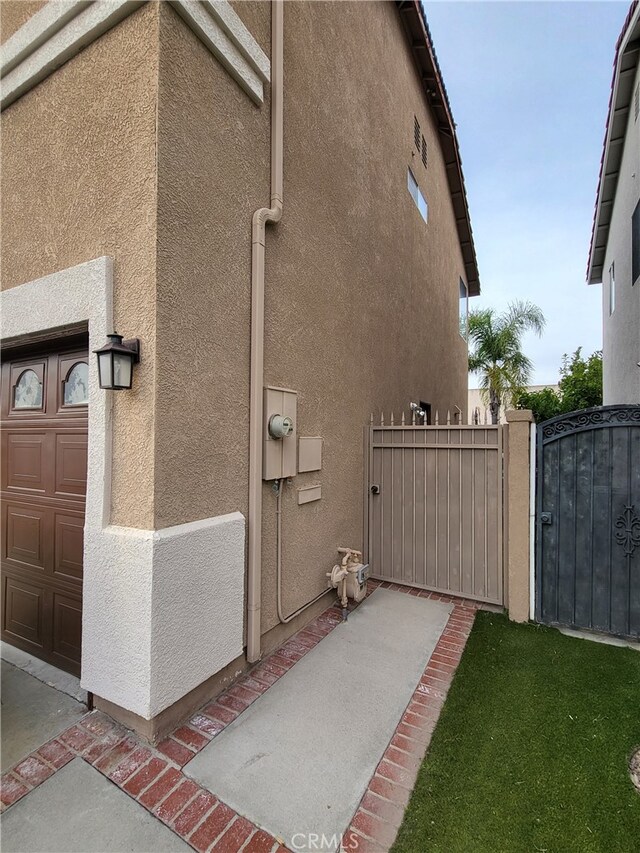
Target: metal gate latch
(375,489)
(546,518)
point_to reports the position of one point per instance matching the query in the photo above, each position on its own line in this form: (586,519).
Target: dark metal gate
(588,520)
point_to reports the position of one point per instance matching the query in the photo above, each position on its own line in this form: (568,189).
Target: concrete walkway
(299,759)
(78,809)
(325,735)
(32,713)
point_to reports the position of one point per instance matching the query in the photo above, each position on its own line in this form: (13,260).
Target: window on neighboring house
(464,310)
(636,102)
(612,289)
(416,195)
(635,244)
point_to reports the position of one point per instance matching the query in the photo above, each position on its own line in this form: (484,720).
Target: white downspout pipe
(260,219)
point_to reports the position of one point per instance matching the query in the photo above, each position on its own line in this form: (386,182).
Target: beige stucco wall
(213,166)
(78,182)
(361,296)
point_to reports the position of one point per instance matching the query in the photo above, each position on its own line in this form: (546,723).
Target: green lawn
(531,749)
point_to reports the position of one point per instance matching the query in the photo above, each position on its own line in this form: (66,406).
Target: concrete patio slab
(32,714)
(298,760)
(78,809)
(51,675)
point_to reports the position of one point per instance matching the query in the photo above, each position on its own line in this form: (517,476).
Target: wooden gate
(588,520)
(435,508)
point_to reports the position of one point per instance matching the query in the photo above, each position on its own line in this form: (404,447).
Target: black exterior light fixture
(115,362)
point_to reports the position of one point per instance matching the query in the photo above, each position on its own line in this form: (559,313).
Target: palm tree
(496,354)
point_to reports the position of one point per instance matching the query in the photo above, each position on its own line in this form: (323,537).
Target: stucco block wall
(621,330)
(79,182)
(361,294)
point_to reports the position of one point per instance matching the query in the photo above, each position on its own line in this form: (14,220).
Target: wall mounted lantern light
(115,362)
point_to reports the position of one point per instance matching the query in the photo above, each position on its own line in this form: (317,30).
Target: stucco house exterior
(269,197)
(614,256)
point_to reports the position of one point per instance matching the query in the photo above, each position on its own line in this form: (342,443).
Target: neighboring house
(138,141)
(614,257)
(479,411)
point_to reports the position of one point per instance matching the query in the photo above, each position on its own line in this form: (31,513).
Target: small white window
(464,310)
(416,195)
(612,289)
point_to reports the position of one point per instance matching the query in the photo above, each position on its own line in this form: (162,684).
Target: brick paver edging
(153,776)
(377,819)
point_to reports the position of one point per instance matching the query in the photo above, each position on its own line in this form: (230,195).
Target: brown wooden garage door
(44,477)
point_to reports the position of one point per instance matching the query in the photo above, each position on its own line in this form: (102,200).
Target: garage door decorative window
(28,392)
(76,386)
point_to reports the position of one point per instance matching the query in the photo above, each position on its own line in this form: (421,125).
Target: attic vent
(636,102)
(416,132)
(424,151)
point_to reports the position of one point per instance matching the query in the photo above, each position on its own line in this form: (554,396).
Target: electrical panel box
(309,453)
(280,415)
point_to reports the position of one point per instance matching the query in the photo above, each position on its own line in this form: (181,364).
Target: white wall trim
(63,28)
(220,30)
(80,294)
(49,43)
(224,15)
(37,30)
(162,610)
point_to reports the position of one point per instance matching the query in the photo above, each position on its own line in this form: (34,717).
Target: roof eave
(625,63)
(419,37)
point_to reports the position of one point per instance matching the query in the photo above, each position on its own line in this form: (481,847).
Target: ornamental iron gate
(588,520)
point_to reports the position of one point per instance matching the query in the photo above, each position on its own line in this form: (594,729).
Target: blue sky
(529,86)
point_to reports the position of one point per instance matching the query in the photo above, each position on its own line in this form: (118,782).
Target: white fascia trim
(63,28)
(223,14)
(45,54)
(227,38)
(37,30)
